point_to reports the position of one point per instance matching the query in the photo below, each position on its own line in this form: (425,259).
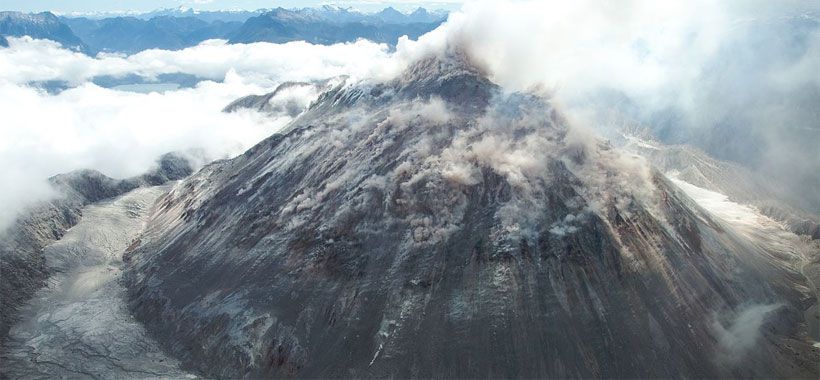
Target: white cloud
(733,77)
(122,133)
(657,54)
(28,60)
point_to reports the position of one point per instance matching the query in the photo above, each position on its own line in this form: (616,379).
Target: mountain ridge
(430,225)
(177,29)
(44,25)
(326,26)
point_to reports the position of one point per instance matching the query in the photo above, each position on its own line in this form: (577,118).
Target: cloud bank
(122,133)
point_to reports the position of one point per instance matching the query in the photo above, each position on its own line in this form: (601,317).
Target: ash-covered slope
(433,226)
(22,261)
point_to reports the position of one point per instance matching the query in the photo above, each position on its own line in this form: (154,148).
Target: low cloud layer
(122,133)
(27,60)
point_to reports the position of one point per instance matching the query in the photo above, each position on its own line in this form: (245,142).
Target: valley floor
(79,325)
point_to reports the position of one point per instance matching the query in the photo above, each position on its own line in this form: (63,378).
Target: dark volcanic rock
(22,264)
(433,226)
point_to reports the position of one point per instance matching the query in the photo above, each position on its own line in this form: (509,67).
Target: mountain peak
(453,76)
(419,11)
(390,10)
(453,60)
(390,14)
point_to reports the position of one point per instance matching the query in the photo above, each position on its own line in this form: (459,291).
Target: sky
(65,6)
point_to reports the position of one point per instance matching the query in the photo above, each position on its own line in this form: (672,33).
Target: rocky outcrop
(22,262)
(434,226)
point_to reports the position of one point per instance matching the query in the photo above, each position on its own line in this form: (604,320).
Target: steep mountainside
(22,261)
(435,226)
(43,25)
(178,29)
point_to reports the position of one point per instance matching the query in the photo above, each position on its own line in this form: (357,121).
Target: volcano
(436,225)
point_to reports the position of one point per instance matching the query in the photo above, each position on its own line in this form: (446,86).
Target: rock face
(434,226)
(22,262)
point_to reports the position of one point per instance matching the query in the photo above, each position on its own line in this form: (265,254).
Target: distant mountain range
(43,25)
(331,25)
(340,14)
(184,27)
